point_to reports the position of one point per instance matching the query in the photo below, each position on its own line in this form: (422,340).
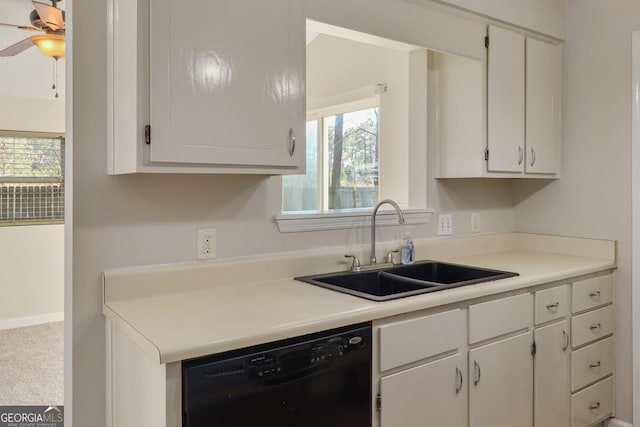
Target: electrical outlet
(475,222)
(206,243)
(445,224)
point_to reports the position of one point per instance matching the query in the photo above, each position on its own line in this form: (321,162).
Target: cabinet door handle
(459,380)
(554,306)
(292,142)
(520,155)
(533,156)
(477,373)
(566,340)
(595,364)
(594,405)
(595,294)
(595,326)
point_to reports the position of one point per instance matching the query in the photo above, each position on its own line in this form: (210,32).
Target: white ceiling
(30,73)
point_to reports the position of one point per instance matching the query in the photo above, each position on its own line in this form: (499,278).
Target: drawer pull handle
(477,373)
(459,379)
(595,364)
(566,340)
(595,326)
(553,307)
(595,405)
(595,294)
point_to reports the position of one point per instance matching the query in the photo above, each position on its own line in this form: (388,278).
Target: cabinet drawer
(416,339)
(591,363)
(494,318)
(551,304)
(592,404)
(590,326)
(592,293)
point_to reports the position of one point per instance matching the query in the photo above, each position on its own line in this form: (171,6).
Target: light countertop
(204,309)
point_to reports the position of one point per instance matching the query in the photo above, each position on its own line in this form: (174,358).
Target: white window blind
(31,178)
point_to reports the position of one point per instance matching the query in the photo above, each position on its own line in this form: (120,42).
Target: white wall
(31,257)
(593,197)
(132,220)
(32,286)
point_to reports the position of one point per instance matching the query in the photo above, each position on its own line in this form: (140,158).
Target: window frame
(37,180)
(319,115)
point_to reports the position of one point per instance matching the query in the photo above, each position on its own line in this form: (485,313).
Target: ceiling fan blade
(49,15)
(21,27)
(15,49)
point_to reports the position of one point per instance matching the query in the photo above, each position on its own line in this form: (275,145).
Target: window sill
(295,222)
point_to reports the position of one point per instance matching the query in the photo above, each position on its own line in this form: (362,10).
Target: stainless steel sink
(403,281)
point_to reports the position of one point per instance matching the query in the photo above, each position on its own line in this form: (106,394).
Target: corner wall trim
(20,322)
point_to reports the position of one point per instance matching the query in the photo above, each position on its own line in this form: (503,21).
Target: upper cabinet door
(505,103)
(227,82)
(544,90)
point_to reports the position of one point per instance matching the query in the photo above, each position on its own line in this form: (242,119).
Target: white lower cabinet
(431,394)
(552,400)
(541,358)
(501,383)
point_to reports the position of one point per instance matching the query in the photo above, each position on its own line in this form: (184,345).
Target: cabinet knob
(292,142)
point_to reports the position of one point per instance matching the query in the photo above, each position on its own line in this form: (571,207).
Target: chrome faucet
(372,259)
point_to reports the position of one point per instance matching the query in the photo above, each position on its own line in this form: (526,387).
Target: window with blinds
(31,178)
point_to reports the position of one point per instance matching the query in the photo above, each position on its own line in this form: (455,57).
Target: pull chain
(55,76)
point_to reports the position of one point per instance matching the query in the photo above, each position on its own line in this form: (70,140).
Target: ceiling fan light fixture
(52,45)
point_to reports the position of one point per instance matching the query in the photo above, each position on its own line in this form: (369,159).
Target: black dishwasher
(321,379)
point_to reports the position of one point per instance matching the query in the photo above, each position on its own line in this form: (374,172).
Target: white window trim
(292,222)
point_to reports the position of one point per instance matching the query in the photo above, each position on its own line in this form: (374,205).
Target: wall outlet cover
(445,224)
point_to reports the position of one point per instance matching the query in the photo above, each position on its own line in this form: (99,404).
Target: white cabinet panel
(591,326)
(552,400)
(505,100)
(543,107)
(415,339)
(498,317)
(227,83)
(591,363)
(591,293)
(592,404)
(431,394)
(552,304)
(501,383)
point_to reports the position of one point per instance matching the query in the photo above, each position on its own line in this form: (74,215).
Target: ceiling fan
(47,19)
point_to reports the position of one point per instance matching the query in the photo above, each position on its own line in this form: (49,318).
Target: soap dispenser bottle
(408,251)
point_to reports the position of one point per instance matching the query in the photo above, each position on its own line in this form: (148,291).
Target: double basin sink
(406,280)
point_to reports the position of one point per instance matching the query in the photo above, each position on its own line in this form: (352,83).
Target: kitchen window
(366,132)
(31,178)
(342,160)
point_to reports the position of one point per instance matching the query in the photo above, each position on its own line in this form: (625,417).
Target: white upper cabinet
(226,86)
(506,103)
(520,104)
(543,134)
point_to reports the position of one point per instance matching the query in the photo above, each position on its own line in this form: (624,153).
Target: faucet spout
(372,259)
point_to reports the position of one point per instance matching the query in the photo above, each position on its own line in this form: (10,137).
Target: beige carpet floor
(32,365)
